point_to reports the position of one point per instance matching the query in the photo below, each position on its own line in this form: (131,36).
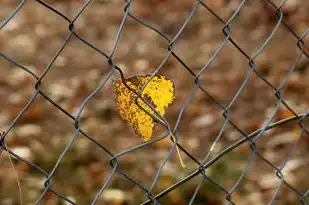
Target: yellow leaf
(159,92)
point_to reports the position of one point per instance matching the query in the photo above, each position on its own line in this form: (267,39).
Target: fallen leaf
(285,113)
(159,92)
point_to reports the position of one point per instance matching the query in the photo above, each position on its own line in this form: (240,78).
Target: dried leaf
(159,92)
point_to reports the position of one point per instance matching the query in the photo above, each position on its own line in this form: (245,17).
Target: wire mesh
(202,166)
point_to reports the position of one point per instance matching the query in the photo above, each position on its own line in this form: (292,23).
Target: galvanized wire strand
(12,14)
(281,167)
(161,167)
(129,150)
(170,49)
(249,74)
(20,66)
(149,194)
(224,152)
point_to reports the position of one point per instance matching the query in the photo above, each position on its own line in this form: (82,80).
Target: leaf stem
(178,152)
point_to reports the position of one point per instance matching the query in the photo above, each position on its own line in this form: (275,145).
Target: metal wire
(202,166)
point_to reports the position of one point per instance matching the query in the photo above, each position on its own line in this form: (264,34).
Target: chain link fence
(199,169)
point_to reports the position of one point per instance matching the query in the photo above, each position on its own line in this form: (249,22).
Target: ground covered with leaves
(35,35)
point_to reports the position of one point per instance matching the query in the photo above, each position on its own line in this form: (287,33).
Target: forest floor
(35,34)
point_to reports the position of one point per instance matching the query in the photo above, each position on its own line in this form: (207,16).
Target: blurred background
(36,33)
